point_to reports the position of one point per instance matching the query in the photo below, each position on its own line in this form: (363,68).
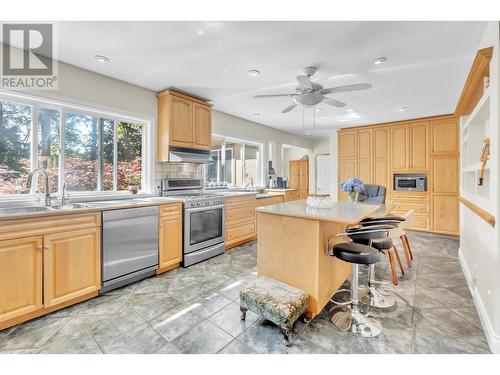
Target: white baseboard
(492,337)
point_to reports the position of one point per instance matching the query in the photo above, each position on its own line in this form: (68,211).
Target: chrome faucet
(44,173)
(250,183)
(64,196)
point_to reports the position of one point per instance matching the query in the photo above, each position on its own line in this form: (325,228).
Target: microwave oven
(410,182)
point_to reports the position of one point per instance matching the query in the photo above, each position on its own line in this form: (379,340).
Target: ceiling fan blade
(272,95)
(289,108)
(305,82)
(355,87)
(333,102)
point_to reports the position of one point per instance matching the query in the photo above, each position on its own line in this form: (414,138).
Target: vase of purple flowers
(352,186)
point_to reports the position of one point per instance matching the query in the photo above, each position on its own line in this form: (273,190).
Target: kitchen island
(291,245)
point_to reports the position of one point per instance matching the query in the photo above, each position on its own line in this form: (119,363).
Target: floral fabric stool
(276,302)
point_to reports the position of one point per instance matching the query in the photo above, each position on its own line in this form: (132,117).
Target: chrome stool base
(354,321)
(378,298)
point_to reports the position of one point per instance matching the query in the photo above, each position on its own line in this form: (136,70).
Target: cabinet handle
(40,247)
(46,247)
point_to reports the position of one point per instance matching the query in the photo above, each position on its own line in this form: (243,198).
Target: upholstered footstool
(276,302)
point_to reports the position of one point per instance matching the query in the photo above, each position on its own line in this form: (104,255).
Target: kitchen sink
(70,206)
(22,210)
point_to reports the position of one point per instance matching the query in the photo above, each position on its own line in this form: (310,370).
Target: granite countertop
(341,212)
(282,190)
(229,193)
(270,194)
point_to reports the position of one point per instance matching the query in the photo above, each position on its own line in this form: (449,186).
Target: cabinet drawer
(171,209)
(291,195)
(240,201)
(415,197)
(240,231)
(246,212)
(418,208)
(420,223)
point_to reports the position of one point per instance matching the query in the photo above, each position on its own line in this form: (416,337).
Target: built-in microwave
(410,182)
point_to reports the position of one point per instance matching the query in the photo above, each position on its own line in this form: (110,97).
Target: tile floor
(195,310)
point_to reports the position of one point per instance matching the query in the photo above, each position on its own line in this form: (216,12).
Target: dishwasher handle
(129,213)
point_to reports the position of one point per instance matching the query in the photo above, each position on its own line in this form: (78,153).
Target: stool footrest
(338,302)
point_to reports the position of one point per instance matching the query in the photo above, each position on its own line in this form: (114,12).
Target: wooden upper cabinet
(181,129)
(347,169)
(365,156)
(381,138)
(183,121)
(419,146)
(20,277)
(202,126)
(72,265)
(400,148)
(347,145)
(444,136)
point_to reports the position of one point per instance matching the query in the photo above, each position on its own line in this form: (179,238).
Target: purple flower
(352,185)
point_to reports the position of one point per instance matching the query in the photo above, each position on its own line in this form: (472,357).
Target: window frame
(242,141)
(38,103)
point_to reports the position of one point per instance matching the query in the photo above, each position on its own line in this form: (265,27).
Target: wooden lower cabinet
(71,265)
(240,220)
(445,218)
(48,263)
(20,276)
(170,237)
(273,199)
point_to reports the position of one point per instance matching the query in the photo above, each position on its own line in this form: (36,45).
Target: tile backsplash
(177,170)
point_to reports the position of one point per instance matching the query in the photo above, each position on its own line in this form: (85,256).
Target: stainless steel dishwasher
(129,245)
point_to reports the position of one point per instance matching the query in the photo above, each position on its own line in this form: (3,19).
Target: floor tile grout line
(95,340)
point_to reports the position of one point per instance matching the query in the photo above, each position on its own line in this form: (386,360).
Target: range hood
(189,155)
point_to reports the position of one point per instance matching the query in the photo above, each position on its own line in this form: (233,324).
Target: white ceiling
(427,64)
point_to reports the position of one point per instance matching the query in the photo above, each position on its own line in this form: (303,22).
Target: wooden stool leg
(408,246)
(399,260)
(393,267)
(407,251)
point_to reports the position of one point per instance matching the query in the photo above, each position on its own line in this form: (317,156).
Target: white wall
(479,242)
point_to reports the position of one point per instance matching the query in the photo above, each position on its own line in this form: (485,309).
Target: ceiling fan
(311,93)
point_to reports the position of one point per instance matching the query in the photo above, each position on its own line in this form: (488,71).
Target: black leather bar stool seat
(355,253)
(377,243)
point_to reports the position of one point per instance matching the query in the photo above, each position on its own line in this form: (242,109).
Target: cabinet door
(400,145)
(445,214)
(303,179)
(380,143)
(419,148)
(202,126)
(72,266)
(20,277)
(381,172)
(347,169)
(347,145)
(445,174)
(365,156)
(294,174)
(170,244)
(181,123)
(444,136)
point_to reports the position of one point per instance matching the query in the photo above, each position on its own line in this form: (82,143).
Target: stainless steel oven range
(204,218)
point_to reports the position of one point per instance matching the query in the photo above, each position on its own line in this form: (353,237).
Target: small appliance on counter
(281,182)
(272,176)
(410,182)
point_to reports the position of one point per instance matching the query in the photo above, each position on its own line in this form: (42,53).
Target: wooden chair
(399,233)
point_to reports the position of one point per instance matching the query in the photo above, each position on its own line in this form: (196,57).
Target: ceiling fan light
(379,60)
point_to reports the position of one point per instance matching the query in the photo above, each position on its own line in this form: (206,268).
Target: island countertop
(341,212)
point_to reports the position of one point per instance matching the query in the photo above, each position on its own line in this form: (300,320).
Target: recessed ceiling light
(308,133)
(318,109)
(101,58)
(200,32)
(253,73)
(379,60)
(256,114)
(402,109)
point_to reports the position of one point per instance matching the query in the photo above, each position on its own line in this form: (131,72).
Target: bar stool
(375,236)
(347,316)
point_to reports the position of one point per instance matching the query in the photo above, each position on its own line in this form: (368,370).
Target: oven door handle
(205,208)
